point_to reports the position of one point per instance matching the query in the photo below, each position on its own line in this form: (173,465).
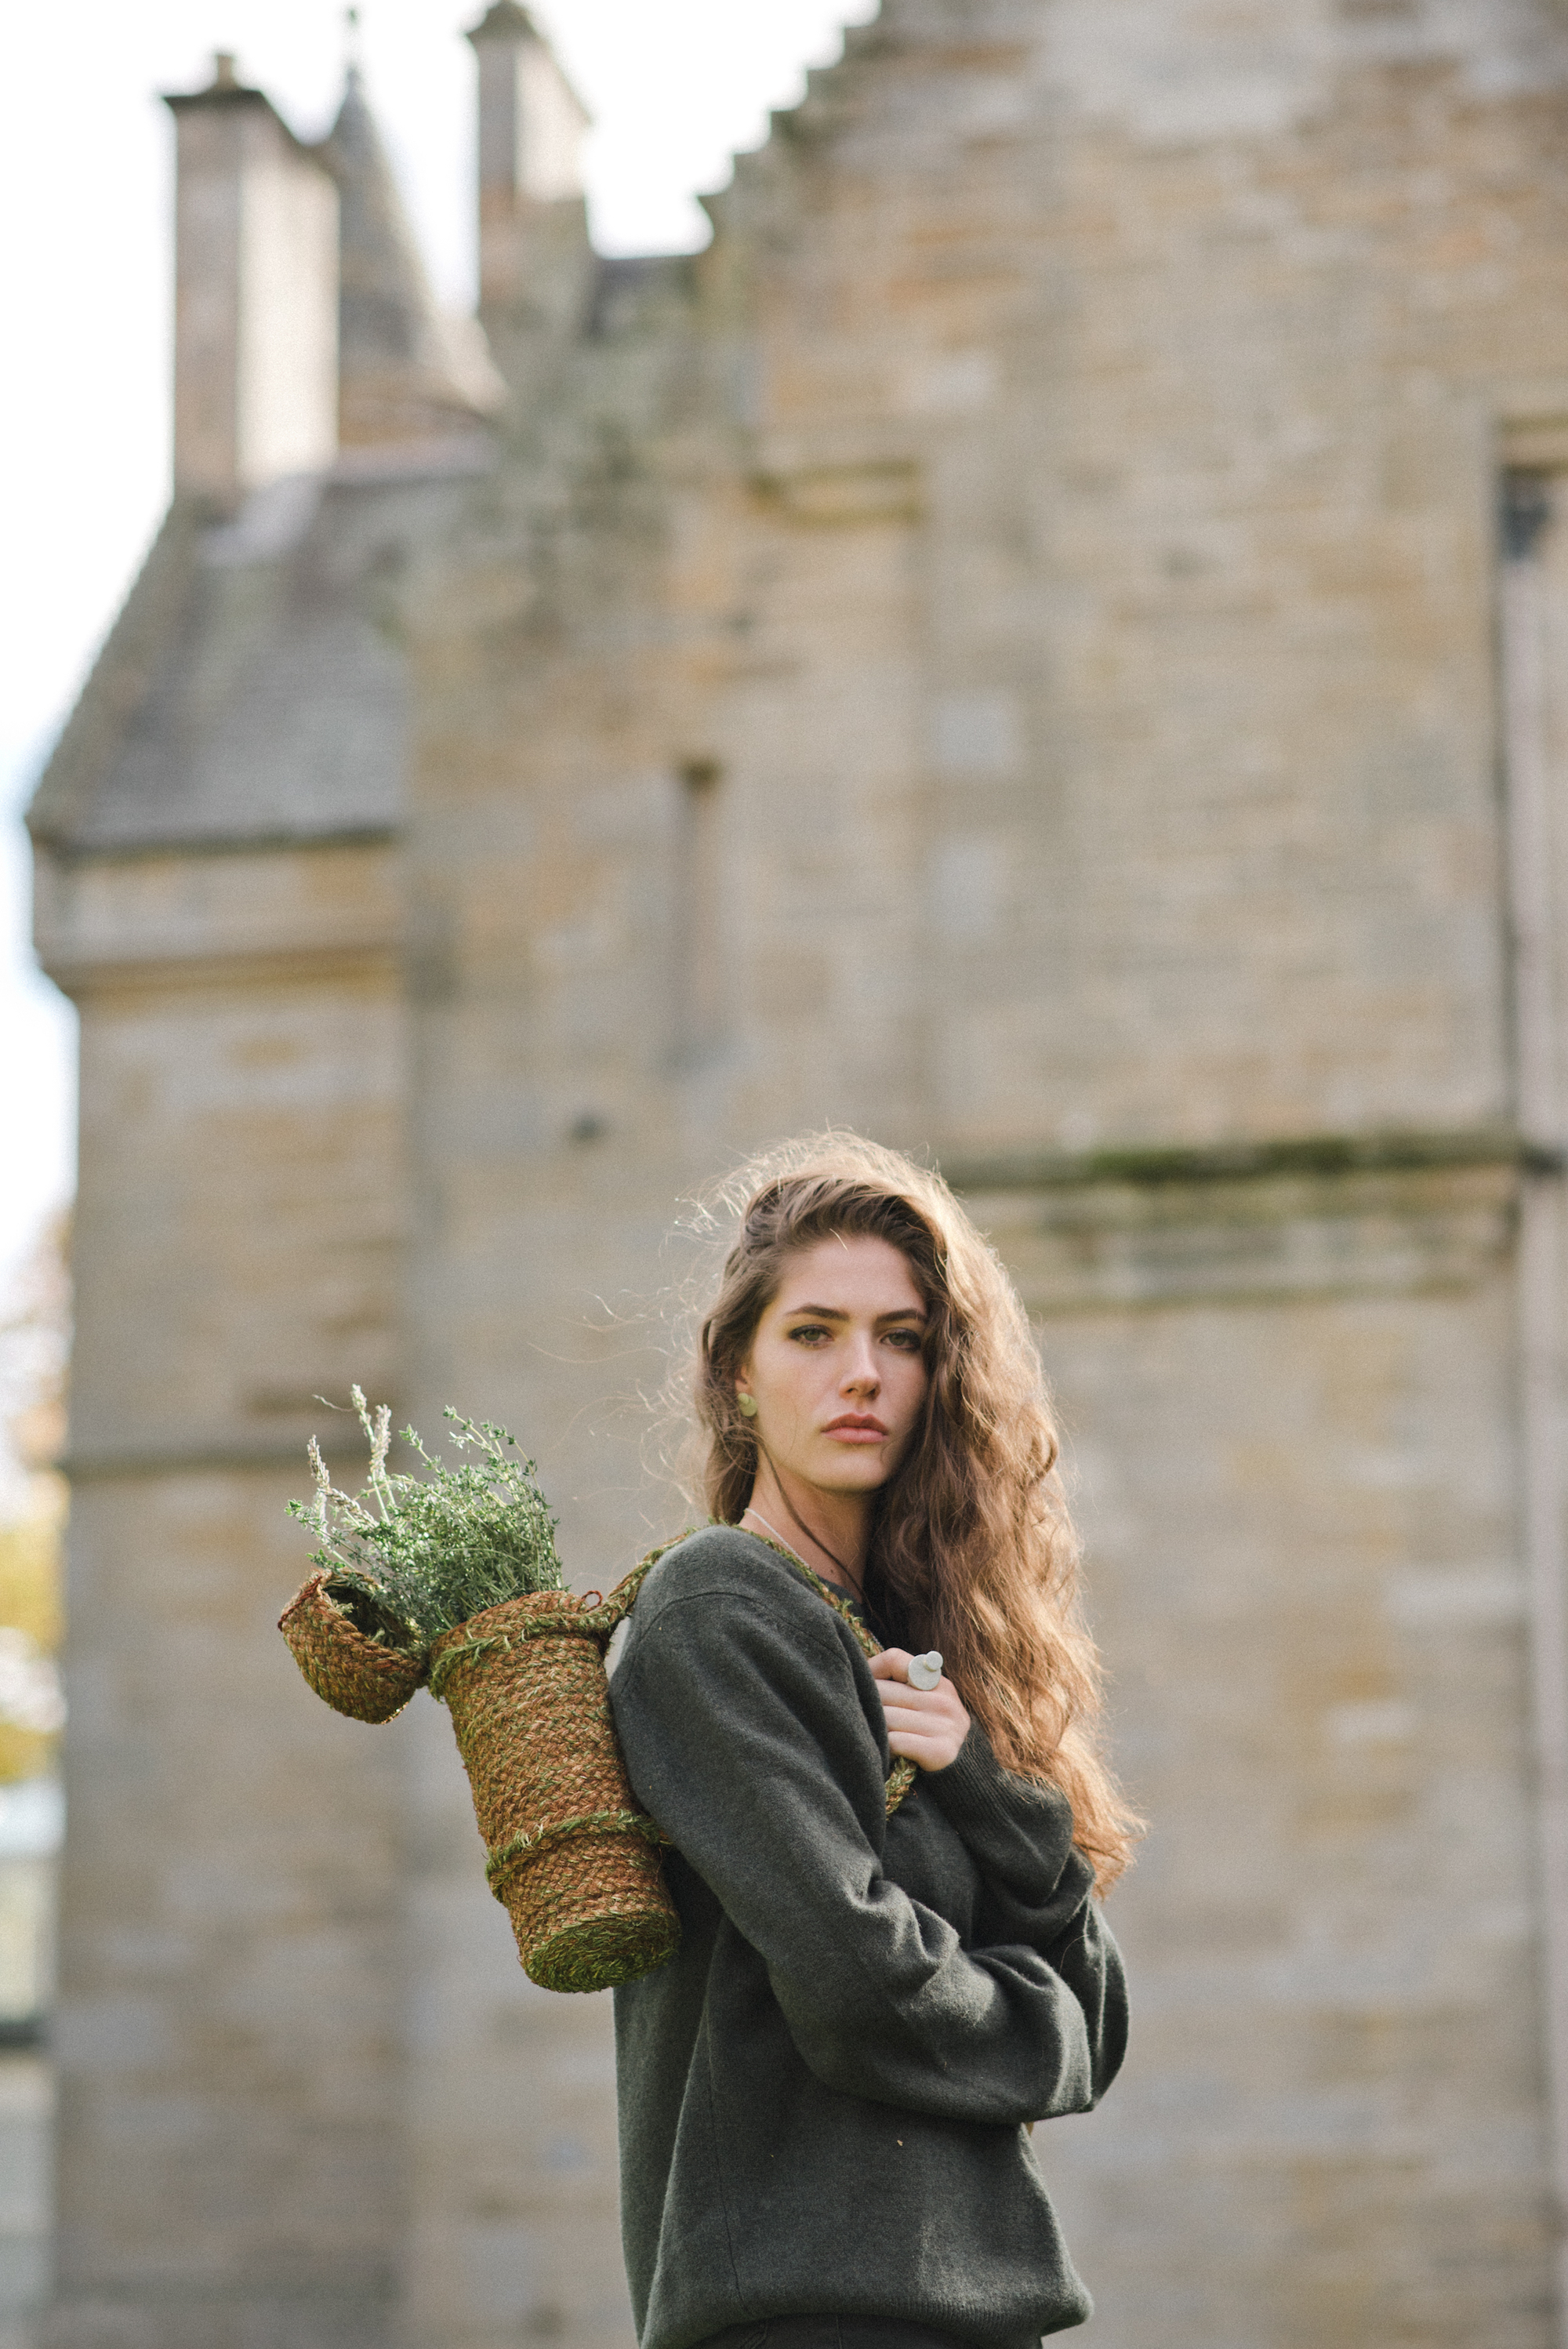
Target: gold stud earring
(747,1406)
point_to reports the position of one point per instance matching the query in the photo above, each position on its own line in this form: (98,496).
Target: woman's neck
(830,1530)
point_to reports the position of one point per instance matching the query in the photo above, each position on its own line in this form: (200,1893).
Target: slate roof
(251,689)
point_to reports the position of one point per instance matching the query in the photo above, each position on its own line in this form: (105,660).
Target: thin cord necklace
(850,1582)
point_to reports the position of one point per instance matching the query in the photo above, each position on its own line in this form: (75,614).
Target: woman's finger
(926,1752)
(925,1726)
(897,1691)
(902,1699)
(912,1710)
(905,1716)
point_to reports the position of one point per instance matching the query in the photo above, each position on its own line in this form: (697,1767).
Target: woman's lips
(854,1430)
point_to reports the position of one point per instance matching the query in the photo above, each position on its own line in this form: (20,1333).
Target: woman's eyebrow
(836,1313)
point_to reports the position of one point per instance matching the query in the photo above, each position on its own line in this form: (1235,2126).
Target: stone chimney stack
(531,124)
(256,312)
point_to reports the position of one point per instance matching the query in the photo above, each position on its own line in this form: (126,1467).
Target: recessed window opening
(699,979)
(1534,649)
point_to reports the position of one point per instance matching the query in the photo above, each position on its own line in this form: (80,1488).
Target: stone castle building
(1048,643)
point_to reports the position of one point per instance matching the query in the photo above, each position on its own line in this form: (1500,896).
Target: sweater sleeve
(1020,1836)
(746,1736)
(1036,1884)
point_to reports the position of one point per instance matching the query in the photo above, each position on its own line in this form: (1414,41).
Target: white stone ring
(925,1671)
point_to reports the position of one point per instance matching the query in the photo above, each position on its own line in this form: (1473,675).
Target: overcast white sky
(676,86)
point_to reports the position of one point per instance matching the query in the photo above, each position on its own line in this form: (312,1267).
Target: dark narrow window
(1534,614)
(699,977)
(1534,648)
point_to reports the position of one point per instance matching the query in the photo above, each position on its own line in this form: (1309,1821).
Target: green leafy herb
(424,1552)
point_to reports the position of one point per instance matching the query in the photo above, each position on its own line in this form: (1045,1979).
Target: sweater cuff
(977,1793)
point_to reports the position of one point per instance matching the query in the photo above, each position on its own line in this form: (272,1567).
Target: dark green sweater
(824,2098)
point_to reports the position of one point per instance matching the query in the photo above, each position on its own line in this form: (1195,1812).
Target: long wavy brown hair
(971,1540)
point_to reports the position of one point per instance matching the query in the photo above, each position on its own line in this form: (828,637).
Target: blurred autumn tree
(34,1343)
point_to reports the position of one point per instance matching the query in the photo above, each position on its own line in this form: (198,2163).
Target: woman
(826,2098)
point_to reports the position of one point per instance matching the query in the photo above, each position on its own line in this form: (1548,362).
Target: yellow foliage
(30,1583)
(32,1601)
(24,1752)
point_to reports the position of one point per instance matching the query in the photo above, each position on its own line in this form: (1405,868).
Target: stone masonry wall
(1062,541)
(1301,1519)
(231,2168)
(1000,651)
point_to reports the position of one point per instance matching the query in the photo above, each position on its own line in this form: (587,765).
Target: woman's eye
(906,1341)
(808,1333)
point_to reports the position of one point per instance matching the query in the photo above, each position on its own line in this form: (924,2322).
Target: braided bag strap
(615,1609)
(573,1617)
(902,1777)
(553,1614)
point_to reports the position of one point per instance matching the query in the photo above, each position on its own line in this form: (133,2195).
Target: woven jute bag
(353,1653)
(569,1855)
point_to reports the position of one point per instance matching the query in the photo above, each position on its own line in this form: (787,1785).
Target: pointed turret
(403,372)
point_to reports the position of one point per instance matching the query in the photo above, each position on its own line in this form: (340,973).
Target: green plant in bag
(413,1556)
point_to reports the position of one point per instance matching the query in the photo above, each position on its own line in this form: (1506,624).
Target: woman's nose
(862,1373)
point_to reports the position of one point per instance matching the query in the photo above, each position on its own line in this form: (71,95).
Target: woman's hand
(928,1725)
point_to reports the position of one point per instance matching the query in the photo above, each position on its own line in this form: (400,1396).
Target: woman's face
(835,1366)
